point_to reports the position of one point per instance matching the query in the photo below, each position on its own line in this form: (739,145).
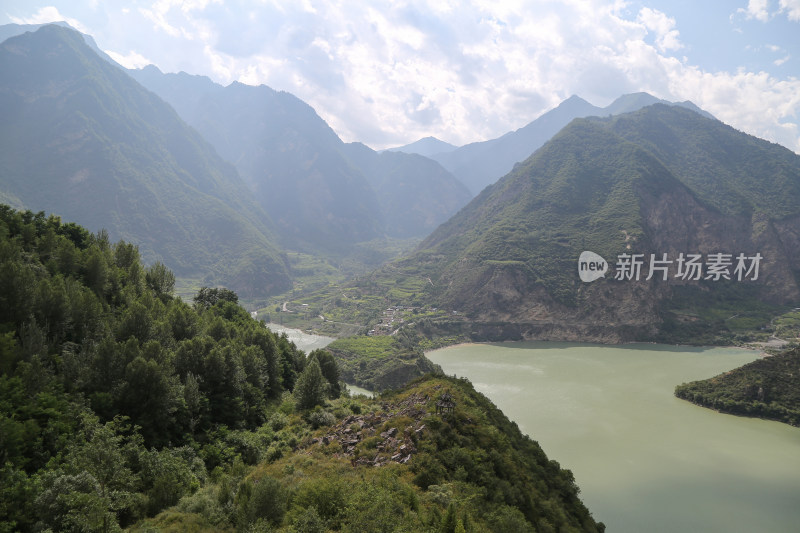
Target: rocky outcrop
(375,439)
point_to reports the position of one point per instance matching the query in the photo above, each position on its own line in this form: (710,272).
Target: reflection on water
(644,460)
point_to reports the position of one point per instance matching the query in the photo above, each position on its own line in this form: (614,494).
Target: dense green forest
(116,398)
(766,388)
(122,406)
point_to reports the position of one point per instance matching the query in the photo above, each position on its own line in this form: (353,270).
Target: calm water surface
(305,341)
(308,342)
(355,391)
(645,461)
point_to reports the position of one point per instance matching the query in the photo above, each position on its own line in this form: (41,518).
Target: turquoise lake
(645,461)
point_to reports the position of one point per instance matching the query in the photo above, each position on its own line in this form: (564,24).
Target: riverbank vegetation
(766,388)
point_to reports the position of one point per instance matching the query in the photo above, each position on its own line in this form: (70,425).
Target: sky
(387,73)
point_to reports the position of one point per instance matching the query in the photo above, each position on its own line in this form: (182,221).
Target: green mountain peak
(650,182)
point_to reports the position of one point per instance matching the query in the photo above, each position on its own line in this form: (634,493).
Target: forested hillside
(381,362)
(123,406)
(394,464)
(766,388)
(116,398)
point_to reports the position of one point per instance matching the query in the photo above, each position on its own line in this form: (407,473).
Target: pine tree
(310,387)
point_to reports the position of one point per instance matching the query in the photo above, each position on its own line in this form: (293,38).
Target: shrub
(428,471)
(507,518)
(326,496)
(288,404)
(309,522)
(261,499)
(278,421)
(319,418)
(310,389)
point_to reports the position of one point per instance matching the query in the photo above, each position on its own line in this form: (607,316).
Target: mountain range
(293,184)
(217,181)
(427,146)
(324,195)
(82,139)
(661,180)
(480,164)
(100,360)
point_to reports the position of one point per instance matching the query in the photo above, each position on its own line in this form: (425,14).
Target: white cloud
(756,103)
(49,14)
(782,60)
(131,60)
(390,72)
(158,16)
(483,70)
(222,66)
(667,37)
(176,17)
(791,8)
(757,9)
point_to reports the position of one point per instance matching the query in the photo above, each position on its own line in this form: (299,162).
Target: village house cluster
(391,320)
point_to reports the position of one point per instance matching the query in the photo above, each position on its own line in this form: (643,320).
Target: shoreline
(763,347)
(749,347)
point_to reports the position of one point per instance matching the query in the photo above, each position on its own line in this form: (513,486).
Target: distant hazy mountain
(290,157)
(323,194)
(11,30)
(482,163)
(300,172)
(660,180)
(426,146)
(415,193)
(81,139)
(182,91)
(635,101)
